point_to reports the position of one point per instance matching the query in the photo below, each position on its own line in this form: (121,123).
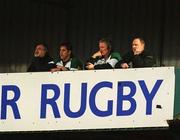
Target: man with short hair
(138,56)
(66,59)
(104,58)
(41,60)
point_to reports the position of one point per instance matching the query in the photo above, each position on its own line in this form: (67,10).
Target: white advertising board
(73,100)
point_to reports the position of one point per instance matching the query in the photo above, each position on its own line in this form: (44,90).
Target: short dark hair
(106,41)
(140,39)
(67,45)
(44,45)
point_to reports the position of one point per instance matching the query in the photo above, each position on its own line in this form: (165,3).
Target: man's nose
(134,47)
(101,49)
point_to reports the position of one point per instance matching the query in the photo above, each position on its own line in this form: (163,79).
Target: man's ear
(69,52)
(109,48)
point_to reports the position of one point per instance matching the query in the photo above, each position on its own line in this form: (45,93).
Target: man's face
(137,46)
(103,48)
(40,51)
(64,53)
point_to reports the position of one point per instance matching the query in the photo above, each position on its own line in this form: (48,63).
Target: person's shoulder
(147,52)
(48,58)
(116,55)
(76,63)
(57,60)
(76,60)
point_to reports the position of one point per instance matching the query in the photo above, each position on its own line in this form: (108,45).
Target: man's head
(65,51)
(138,45)
(104,47)
(40,50)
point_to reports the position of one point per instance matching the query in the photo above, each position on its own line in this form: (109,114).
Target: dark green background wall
(24,23)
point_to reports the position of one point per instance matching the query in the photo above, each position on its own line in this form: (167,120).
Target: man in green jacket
(66,59)
(104,58)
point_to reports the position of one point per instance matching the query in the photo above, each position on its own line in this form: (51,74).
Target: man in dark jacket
(138,56)
(41,60)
